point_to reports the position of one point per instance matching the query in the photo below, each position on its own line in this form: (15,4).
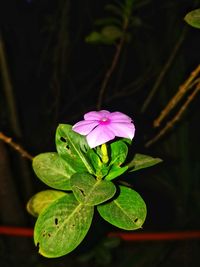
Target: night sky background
(51,75)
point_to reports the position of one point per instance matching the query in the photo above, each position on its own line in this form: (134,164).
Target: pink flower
(103,126)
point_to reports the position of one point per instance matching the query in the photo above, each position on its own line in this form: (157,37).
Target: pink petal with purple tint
(84,127)
(99,136)
(119,117)
(122,129)
(96,115)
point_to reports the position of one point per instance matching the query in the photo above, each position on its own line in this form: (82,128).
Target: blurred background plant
(60,59)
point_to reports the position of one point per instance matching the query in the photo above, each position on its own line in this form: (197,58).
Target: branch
(163,72)
(112,66)
(15,146)
(8,90)
(176,118)
(188,84)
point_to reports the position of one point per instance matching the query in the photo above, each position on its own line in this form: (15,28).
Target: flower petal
(84,127)
(100,135)
(119,117)
(96,115)
(122,129)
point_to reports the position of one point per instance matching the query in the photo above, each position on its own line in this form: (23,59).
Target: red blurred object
(16,231)
(185,235)
(159,236)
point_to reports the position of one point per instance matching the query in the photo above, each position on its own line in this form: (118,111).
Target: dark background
(55,77)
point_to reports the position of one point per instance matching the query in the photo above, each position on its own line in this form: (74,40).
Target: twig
(8,90)
(15,146)
(177,117)
(14,123)
(131,88)
(112,66)
(179,95)
(163,72)
(109,73)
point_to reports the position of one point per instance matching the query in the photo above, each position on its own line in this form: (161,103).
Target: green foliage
(42,200)
(108,35)
(119,151)
(90,191)
(116,171)
(53,170)
(115,27)
(64,218)
(72,147)
(141,161)
(127,211)
(62,226)
(101,169)
(193,18)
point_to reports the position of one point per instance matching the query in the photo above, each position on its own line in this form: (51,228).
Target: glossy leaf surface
(73,147)
(118,154)
(42,200)
(53,170)
(141,161)
(127,211)
(90,191)
(62,226)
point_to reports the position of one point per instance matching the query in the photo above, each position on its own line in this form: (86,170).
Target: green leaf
(111,242)
(61,227)
(90,191)
(42,200)
(53,170)
(94,158)
(141,161)
(129,3)
(127,211)
(73,147)
(96,38)
(140,4)
(119,151)
(193,18)
(111,32)
(115,172)
(100,168)
(108,35)
(128,7)
(115,9)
